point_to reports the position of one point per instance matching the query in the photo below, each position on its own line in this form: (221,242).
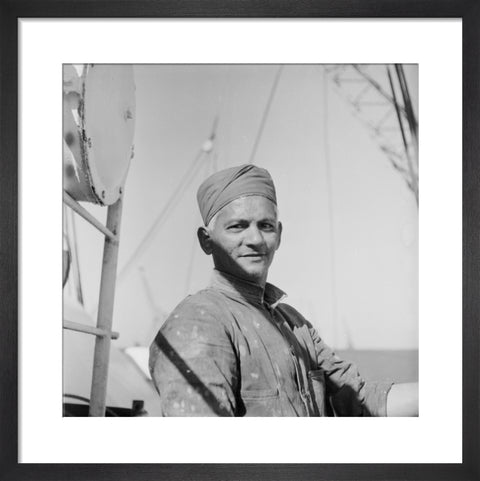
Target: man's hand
(402,400)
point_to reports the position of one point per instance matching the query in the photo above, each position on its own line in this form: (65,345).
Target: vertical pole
(413,176)
(412,121)
(407,101)
(101,357)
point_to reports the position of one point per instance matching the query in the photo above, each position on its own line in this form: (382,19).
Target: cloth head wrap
(229,184)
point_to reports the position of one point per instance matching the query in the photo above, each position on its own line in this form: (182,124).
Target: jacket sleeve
(193,363)
(349,394)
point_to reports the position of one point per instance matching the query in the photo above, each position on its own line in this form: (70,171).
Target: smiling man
(243,238)
(234,349)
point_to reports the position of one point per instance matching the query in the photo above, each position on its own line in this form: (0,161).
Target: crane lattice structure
(380,99)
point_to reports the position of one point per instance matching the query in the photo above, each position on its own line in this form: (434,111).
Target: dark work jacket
(234,349)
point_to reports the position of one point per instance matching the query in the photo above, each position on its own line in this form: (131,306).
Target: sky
(349,254)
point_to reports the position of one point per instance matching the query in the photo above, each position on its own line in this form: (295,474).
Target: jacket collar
(270,295)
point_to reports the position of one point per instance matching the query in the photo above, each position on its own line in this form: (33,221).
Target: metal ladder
(103,330)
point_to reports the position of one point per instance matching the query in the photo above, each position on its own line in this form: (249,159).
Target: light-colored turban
(229,184)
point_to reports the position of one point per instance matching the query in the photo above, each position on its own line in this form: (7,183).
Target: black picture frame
(11,11)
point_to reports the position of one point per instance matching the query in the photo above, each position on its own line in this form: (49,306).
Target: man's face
(244,238)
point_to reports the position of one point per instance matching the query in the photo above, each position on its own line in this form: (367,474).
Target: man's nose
(253,236)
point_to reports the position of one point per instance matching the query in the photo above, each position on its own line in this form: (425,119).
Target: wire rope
(265,114)
(209,168)
(187,178)
(163,215)
(331,218)
(412,179)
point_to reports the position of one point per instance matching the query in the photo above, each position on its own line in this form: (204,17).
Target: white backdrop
(45,45)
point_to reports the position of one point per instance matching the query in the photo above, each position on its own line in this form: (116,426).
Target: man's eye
(267,226)
(235,227)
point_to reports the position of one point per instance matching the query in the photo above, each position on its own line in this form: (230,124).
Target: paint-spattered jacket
(234,349)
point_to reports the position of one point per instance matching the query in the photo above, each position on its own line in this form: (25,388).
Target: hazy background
(349,254)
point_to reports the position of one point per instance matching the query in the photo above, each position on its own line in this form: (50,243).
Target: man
(234,349)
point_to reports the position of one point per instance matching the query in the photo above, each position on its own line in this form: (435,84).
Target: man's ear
(205,240)
(279,240)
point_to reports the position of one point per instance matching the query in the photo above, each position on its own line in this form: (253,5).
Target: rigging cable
(413,179)
(377,87)
(145,242)
(265,113)
(330,208)
(412,121)
(407,101)
(171,203)
(210,168)
(149,294)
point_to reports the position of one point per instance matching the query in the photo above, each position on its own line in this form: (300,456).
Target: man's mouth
(255,254)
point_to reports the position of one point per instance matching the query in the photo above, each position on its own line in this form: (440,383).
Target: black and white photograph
(241,240)
(214,212)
